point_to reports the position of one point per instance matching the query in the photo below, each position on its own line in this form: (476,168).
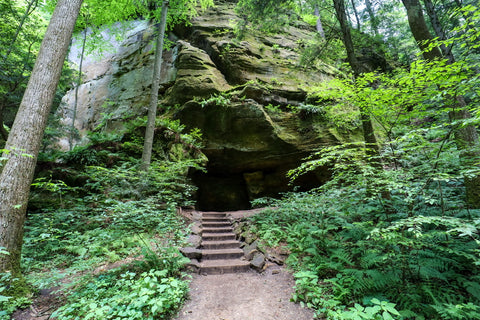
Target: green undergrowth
(393,233)
(107,237)
(350,264)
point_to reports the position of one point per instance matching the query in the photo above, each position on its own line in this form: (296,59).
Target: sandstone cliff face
(251,140)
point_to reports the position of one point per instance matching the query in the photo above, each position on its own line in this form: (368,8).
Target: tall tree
(420,30)
(25,138)
(319,24)
(437,27)
(71,136)
(373,18)
(368,132)
(182,10)
(152,109)
(355,12)
(466,136)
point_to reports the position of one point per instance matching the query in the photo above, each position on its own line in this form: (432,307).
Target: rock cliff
(245,95)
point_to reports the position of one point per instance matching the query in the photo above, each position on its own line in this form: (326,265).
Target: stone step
(215,224)
(217,230)
(218,236)
(226,244)
(224,266)
(215,219)
(214,215)
(218,254)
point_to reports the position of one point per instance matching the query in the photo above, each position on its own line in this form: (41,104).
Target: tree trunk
(466,137)
(152,109)
(3,132)
(79,82)
(346,36)
(419,29)
(355,12)
(319,22)
(373,19)
(437,27)
(32,5)
(368,133)
(27,131)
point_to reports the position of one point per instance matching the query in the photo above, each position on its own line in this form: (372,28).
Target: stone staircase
(220,251)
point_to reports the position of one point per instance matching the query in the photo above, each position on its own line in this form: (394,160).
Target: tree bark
(26,135)
(77,87)
(420,30)
(466,137)
(368,133)
(152,109)
(3,132)
(346,36)
(437,27)
(373,18)
(355,12)
(319,22)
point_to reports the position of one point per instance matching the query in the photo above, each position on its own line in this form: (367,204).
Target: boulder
(239,93)
(191,253)
(258,262)
(195,241)
(250,250)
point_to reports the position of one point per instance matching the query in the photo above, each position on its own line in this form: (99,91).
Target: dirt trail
(243,296)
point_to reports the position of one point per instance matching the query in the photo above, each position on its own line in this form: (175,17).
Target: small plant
(216,99)
(57,187)
(381,310)
(148,295)
(275,109)
(276,48)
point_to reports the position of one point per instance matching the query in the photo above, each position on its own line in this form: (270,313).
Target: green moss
(15,293)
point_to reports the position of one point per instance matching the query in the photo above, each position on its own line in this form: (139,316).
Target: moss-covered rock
(197,76)
(250,149)
(240,93)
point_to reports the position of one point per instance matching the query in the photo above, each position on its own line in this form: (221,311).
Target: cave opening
(230,191)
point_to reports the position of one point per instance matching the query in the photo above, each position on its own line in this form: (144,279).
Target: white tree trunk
(152,109)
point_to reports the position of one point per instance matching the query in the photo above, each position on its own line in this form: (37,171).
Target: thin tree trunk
(20,26)
(319,22)
(79,82)
(152,110)
(419,29)
(355,12)
(26,134)
(368,133)
(3,132)
(346,36)
(373,19)
(437,27)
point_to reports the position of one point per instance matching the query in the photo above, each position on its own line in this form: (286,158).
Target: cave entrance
(221,192)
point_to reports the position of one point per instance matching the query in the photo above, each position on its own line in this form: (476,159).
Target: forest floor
(244,296)
(240,296)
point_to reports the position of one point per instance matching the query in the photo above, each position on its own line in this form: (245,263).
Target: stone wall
(251,138)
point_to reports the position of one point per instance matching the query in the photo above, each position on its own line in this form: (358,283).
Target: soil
(243,296)
(42,307)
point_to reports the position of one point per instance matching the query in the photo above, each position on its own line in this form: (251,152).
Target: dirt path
(243,296)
